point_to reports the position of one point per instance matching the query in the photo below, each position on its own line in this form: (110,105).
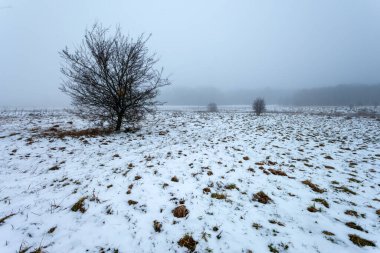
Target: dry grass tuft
(2,220)
(132,202)
(90,132)
(351,213)
(257,226)
(206,190)
(218,196)
(328,233)
(313,209)
(174,179)
(322,201)
(353,225)
(361,242)
(52,229)
(278,172)
(230,187)
(314,187)
(188,242)
(180,211)
(345,190)
(157,226)
(79,205)
(262,198)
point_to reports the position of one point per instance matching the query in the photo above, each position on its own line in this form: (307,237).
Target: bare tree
(212,107)
(258,106)
(112,78)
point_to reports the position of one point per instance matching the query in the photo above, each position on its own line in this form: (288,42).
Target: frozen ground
(104,193)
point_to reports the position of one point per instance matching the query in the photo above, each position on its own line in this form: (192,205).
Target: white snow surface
(237,147)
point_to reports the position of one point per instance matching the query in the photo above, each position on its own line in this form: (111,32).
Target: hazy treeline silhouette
(334,95)
(339,95)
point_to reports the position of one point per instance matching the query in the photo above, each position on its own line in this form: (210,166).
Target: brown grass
(351,213)
(278,172)
(180,211)
(174,179)
(157,226)
(206,190)
(313,209)
(361,242)
(218,196)
(79,205)
(132,202)
(353,225)
(345,190)
(230,187)
(262,198)
(90,132)
(188,242)
(314,187)
(325,232)
(322,201)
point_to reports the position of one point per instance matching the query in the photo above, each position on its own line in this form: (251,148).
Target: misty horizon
(249,45)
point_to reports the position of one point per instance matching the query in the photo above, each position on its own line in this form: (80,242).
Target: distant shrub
(258,106)
(212,107)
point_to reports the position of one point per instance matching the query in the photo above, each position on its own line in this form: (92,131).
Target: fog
(222,51)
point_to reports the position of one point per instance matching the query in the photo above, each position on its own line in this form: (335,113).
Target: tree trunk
(118,122)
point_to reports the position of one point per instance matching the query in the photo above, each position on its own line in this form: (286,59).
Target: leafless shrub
(212,107)
(258,106)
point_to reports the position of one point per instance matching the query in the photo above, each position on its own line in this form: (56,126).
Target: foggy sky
(213,44)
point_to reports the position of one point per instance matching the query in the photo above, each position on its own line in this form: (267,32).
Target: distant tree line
(345,95)
(339,95)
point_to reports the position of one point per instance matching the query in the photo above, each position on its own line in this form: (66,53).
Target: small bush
(258,106)
(212,107)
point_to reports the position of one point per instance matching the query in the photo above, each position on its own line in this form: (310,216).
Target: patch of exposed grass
(257,226)
(79,205)
(322,201)
(206,190)
(262,198)
(345,190)
(276,222)
(230,187)
(157,226)
(188,242)
(353,225)
(325,232)
(218,196)
(351,213)
(132,202)
(361,242)
(314,187)
(313,209)
(354,180)
(180,211)
(277,172)
(91,132)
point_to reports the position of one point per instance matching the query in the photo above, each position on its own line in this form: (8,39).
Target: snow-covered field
(280,182)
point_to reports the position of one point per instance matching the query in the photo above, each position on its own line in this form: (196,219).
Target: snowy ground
(221,160)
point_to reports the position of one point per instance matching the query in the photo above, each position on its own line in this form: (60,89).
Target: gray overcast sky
(215,43)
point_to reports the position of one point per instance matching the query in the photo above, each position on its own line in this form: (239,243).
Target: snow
(103,168)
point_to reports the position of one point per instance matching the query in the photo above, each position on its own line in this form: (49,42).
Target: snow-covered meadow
(281,182)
